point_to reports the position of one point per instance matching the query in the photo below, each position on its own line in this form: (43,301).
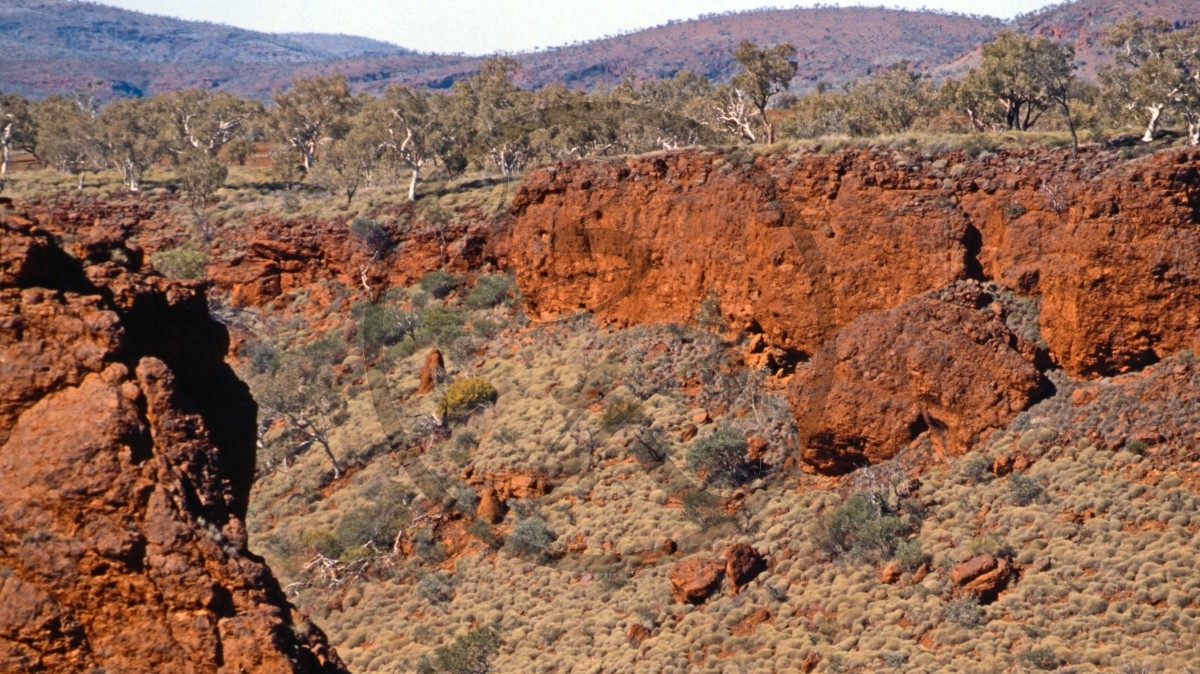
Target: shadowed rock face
(805,252)
(127,450)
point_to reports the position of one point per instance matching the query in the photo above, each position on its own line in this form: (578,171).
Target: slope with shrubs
(1101,535)
(576,439)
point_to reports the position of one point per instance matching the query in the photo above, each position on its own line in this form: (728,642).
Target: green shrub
(373,526)
(182,262)
(428,548)
(963,611)
(530,538)
(471,653)
(322,542)
(990,544)
(441,325)
(708,315)
(326,351)
(909,555)
(1013,210)
(1024,489)
(383,326)
(360,528)
(489,290)
(200,176)
(437,587)
(721,454)
(465,396)
(1136,447)
(862,528)
(263,357)
(1042,658)
(976,468)
(374,235)
(466,440)
(465,498)
(439,283)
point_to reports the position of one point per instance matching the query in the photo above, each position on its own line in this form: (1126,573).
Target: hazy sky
(487,26)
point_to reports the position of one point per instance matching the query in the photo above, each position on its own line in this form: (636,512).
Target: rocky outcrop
(944,364)
(268,260)
(695,579)
(431,371)
(1122,287)
(742,564)
(127,449)
(648,238)
(983,576)
(801,252)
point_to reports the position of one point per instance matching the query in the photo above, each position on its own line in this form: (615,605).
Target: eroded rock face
(127,450)
(796,250)
(782,257)
(1122,289)
(944,363)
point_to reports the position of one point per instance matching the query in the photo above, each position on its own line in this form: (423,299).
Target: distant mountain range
(51,46)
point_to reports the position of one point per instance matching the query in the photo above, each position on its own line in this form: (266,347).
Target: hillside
(1083,23)
(52,46)
(339,46)
(49,46)
(53,30)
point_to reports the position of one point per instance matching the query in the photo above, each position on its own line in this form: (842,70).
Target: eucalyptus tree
(403,126)
(766,71)
(130,137)
(207,121)
(17,128)
(312,112)
(1017,80)
(486,114)
(1156,72)
(67,135)
(890,100)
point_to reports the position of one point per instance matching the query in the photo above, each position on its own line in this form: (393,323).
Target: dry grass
(1108,575)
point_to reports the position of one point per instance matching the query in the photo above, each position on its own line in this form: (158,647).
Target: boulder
(695,579)
(742,564)
(945,365)
(890,573)
(1002,465)
(983,576)
(636,634)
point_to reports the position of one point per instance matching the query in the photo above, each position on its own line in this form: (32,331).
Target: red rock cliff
(798,248)
(127,450)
